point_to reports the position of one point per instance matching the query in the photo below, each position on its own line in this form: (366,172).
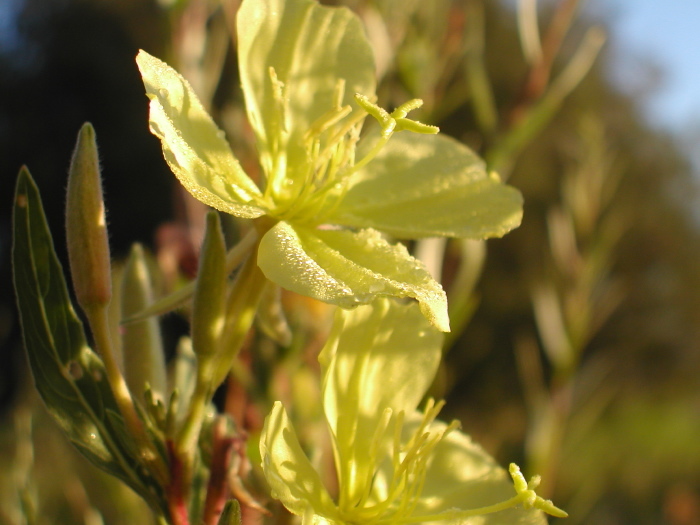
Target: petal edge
(193,146)
(349,268)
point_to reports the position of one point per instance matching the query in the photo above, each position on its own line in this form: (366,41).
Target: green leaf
(310,47)
(69,376)
(428,185)
(193,145)
(348,268)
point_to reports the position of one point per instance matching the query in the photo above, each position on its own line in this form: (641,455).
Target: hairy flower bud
(86,228)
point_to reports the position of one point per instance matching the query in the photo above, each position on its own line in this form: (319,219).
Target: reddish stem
(176,492)
(217,487)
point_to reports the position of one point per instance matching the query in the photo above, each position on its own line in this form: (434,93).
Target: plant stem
(240,313)
(176,496)
(217,487)
(99,324)
(213,369)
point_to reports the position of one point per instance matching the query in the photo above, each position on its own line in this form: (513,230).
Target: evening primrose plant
(333,194)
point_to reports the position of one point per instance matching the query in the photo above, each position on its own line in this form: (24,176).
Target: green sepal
(210,291)
(68,375)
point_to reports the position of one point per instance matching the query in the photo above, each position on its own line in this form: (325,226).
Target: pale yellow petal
(193,146)
(310,47)
(289,473)
(348,268)
(428,185)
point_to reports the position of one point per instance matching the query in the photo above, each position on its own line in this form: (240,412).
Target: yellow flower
(394,464)
(307,73)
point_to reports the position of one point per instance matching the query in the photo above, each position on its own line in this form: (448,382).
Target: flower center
(310,188)
(393,489)
(314,184)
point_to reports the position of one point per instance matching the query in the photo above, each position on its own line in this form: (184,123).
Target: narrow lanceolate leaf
(193,146)
(348,268)
(425,186)
(69,376)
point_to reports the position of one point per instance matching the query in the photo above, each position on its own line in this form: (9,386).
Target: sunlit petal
(429,185)
(461,475)
(310,47)
(288,471)
(193,146)
(386,355)
(348,268)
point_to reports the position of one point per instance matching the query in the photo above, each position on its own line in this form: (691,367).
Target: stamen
(375,447)
(325,121)
(274,162)
(339,92)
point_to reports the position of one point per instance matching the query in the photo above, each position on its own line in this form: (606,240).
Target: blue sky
(656,55)
(664,33)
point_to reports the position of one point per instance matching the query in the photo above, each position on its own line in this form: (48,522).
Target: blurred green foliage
(582,354)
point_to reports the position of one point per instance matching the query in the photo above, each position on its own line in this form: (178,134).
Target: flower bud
(86,228)
(142,347)
(210,291)
(231,514)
